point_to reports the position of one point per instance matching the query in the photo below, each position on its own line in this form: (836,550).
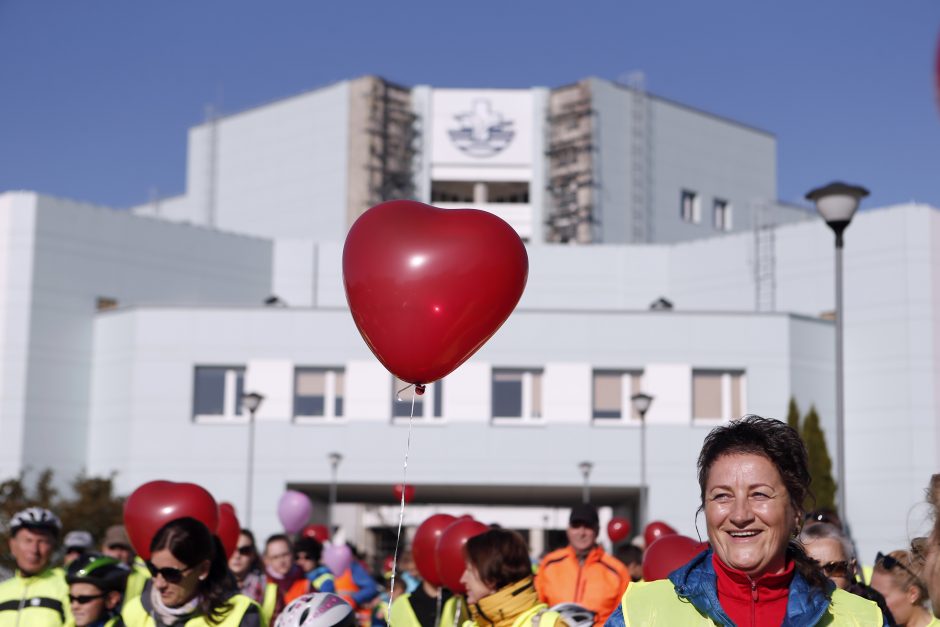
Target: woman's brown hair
(500,557)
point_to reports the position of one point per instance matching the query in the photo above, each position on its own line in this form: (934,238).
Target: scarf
(171,615)
(504,606)
(252,586)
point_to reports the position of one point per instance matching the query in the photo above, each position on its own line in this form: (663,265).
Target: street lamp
(251,401)
(585,468)
(335,458)
(836,203)
(641,403)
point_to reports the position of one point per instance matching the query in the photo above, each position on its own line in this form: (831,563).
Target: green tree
(820,463)
(91,506)
(793,415)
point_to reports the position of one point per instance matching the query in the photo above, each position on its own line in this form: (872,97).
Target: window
(428,405)
(517,394)
(318,392)
(722,215)
(613,390)
(718,395)
(217,392)
(689,207)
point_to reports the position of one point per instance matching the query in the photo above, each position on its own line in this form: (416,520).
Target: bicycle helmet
(35,518)
(574,615)
(318,609)
(104,572)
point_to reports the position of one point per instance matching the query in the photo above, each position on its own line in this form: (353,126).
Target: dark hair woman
(753,476)
(251,580)
(191,584)
(498,578)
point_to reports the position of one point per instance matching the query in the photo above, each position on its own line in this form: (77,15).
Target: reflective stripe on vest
(25,604)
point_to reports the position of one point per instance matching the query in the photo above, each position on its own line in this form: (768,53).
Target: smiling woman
(753,475)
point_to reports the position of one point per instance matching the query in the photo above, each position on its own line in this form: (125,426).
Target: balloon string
(401,509)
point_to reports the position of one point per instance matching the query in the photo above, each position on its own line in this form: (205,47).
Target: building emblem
(482,132)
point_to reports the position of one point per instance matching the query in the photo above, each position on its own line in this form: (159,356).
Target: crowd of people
(766,563)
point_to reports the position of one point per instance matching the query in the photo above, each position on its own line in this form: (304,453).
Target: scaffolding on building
(571,154)
(765,273)
(640,159)
(392,132)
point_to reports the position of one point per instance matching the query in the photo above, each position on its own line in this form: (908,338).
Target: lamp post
(335,458)
(641,403)
(251,401)
(585,468)
(836,203)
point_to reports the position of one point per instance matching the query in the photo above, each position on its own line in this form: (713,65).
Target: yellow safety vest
(269,603)
(135,615)
(656,603)
(112,622)
(136,581)
(537,616)
(403,615)
(38,601)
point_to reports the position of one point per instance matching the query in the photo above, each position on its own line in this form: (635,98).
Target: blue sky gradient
(96,96)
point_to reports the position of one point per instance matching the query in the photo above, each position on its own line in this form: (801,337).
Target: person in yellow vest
(753,478)
(190,584)
(899,577)
(246,565)
(420,607)
(500,588)
(95,586)
(116,544)
(36,595)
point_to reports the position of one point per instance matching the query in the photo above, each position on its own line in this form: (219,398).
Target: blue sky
(96,96)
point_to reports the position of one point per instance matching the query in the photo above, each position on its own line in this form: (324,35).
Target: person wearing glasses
(582,572)
(897,576)
(190,585)
(246,565)
(753,477)
(95,586)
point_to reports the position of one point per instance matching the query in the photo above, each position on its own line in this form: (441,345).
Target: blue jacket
(697,583)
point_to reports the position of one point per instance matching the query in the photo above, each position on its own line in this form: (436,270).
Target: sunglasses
(85,598)
(836,569)
(891,563)
(246,550)
(170,575)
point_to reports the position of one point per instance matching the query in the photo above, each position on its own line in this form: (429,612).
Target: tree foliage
(92,505)
(793,415)
(820,463)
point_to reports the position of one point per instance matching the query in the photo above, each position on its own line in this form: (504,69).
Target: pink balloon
(337,557)
(293,510)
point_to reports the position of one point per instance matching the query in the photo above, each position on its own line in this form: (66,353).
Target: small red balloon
(408,490)
(450,560)
(656,530)
(668,553)
(318,532)
(424,546)
(427,287)
(154,504)
(388,564)
(229,528)
(618,528)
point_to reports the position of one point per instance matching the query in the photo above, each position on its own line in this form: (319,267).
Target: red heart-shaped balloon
(668,553)
(656,530)
(427,287)
(156,503)
(424,546)
(229,528)
(450,560)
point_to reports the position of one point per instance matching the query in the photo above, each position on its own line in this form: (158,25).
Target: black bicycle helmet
(105,572)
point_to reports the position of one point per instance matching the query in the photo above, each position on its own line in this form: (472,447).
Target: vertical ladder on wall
(765,275)
(640,153)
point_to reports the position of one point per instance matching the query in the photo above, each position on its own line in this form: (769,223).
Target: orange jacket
(597,584)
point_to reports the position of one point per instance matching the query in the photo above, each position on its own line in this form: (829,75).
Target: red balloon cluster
(656,530)
(427,287)
(408,491)
(618,529)
(668,553)
(438,549)
(154,504)
(229,528)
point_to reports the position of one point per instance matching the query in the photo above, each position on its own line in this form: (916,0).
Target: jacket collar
(592,556)
(697,583)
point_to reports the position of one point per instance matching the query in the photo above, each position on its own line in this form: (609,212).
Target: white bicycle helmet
(318,609)
(574,615)
(35,518)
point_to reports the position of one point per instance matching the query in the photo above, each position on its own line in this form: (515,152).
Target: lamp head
(641,402)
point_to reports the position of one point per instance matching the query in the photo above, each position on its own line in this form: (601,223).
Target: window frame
(432,403)
(631,382)
(331,393)
(726,387)
(232,411)
(695,208)
(532,397)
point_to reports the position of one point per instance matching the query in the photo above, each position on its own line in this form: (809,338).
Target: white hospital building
(127,337)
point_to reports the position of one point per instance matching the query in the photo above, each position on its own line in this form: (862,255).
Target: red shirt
(750,602)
